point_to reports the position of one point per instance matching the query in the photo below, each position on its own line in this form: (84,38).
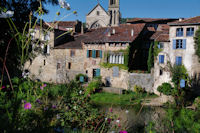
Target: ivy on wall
(197,43)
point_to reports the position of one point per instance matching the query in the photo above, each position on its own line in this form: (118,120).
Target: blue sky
(129,8)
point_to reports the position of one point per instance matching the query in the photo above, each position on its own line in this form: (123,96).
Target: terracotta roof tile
(161,36)
(193,20)
(122,34)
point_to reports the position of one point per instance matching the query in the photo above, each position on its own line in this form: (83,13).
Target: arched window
(112,2)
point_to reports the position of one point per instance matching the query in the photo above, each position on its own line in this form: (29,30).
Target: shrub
(94,85)
(165,88)
(138,89)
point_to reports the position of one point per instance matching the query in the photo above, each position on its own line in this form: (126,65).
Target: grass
(116,99)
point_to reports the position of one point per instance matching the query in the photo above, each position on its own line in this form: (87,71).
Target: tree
(150,60)
(22,11)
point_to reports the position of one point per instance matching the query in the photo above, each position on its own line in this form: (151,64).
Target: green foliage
(94,85)
(150,128)
(150,61)
(178,72)
(197,43)
(156,50)
(182,120)
(166,89)
(138,89)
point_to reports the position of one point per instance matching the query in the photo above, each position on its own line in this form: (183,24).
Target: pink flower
(44,85)
(3,87)
(123,132)
(41,87)
(110,109)
(27,106)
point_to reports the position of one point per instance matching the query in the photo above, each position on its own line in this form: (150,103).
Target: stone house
(178,48)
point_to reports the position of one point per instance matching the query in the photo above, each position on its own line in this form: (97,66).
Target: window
(179,44)
(178,60)
(97,53)
(116,59)
(98,13)
(111,44)
(96,72)
(161,45)
(161,59)
(72,53)
(89,53)
(117,44)
(69,65)
(94,53)
(161,72)
(44,62)
(58,66)
(123,44)
(190,32)
(179,32)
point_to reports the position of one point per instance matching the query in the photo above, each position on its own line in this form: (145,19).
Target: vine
(197,43)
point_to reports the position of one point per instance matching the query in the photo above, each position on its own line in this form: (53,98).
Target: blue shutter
(81,79)
(94,53)
(87,53)
(98,72)
(182,83)
(174,44)
(184,43)
(176,60)
(159,59)
(100,53)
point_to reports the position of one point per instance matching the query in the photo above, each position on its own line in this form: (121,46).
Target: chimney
(181,19)
(113,32)
(109,33)
(82,29)
(132,32)
(56,26)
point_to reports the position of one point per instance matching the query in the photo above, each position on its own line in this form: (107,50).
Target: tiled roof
(74,44)
(162,33)
(193,20)
(149,20)
(161,36)
(62,25)
(122,34)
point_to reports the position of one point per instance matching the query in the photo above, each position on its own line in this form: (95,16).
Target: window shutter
(184,43)
(98,72)
(159,58)
(182,83)
(174,44)
(100,53)
(176,60)
(81,79)
(94,53)
(87,53)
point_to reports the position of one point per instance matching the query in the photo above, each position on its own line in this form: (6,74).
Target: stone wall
(144,80)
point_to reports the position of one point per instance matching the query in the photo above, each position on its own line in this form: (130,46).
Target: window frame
(161,59)
(190,31)
(72,53)
(179,32)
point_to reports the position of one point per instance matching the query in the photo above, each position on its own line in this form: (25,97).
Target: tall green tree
(150,60)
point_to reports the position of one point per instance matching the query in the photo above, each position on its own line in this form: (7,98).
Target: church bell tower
(114,12)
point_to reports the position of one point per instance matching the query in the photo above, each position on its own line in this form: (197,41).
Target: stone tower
(113,10)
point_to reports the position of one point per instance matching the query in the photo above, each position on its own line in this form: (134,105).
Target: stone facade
(99,17)
(171,52)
